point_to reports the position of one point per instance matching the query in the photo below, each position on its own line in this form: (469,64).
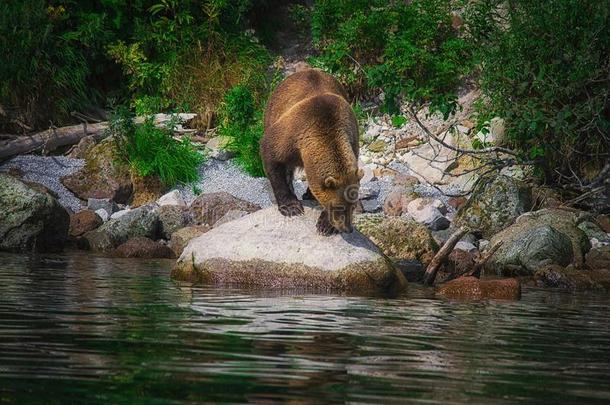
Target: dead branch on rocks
(442,255)
(50,139)
(482,260)
(488,159)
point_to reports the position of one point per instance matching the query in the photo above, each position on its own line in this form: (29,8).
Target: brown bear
(310,124)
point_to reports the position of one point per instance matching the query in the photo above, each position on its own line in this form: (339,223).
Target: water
(79,328)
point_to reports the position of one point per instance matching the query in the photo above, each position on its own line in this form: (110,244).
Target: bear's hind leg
(287,202)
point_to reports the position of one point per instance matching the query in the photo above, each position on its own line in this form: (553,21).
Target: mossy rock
(495,204)
(539,238)
(30,220)
(103,175)
(398,238)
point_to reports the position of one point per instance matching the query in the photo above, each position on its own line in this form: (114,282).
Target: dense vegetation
(543,66)
(152,150)
(407,50)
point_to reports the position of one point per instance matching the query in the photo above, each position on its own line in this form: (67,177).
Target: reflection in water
(85,328)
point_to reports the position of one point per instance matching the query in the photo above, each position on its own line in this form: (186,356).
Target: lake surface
(80,328)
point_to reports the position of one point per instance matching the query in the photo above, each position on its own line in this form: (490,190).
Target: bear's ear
(330,182)
(360,173)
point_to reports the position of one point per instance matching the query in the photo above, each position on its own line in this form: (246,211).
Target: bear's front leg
(287,202)
(290,208)
(324,226)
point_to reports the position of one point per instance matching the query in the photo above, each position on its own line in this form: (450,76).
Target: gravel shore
(47,170)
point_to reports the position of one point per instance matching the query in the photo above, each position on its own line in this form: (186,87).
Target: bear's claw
(291,209)
(324,226)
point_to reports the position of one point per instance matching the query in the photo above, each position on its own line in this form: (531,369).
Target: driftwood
(51,139)
(481,260)
(442,255)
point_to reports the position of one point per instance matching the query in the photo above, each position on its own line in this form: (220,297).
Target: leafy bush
(156,54)
(45,67)
(188,56)
(152,150)
(545,68)
(243,125)
(407,49)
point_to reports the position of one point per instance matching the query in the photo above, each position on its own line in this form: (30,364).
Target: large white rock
(268,250)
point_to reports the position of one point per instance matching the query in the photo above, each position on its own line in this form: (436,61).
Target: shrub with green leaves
(46,64)
(545,68)
(243,125)
(409,50)
(150,150)
(186,56)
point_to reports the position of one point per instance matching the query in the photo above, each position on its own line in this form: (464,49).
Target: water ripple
(91,329)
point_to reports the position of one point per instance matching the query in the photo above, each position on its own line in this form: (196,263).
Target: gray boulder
(141,221)
(537,239)
(495,204)
(593,231)
(172,218)
(30,220)
(210,207)
(268,250)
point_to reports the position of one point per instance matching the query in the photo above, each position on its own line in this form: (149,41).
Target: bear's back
(298,87)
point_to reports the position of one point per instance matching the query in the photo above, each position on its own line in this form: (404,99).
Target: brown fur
(309,123)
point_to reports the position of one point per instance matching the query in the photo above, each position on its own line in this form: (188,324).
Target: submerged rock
(495,204)
(145,248)
(268,250)
(555,276)
(30,220)
(549,236)
(474,289)
(398,238)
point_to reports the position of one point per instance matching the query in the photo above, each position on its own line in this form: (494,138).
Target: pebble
(466,246)
(102,213)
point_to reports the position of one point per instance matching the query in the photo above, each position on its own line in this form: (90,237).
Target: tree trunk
(51,139)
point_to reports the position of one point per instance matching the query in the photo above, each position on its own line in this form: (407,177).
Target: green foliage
(243,125)
(399,120)
(409,50)
(545,68)
(186,56)
(46,62)
(151,150)
(156,54)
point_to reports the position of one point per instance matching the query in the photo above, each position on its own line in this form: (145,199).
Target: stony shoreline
(408,208)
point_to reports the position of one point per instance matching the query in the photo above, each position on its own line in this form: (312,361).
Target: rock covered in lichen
(30,220)
(495,204)
(398,238)
(549,236)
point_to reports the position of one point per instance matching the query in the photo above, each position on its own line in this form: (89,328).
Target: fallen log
(442,255)
(51,139)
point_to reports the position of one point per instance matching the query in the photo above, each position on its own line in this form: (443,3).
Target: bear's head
(338,194)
